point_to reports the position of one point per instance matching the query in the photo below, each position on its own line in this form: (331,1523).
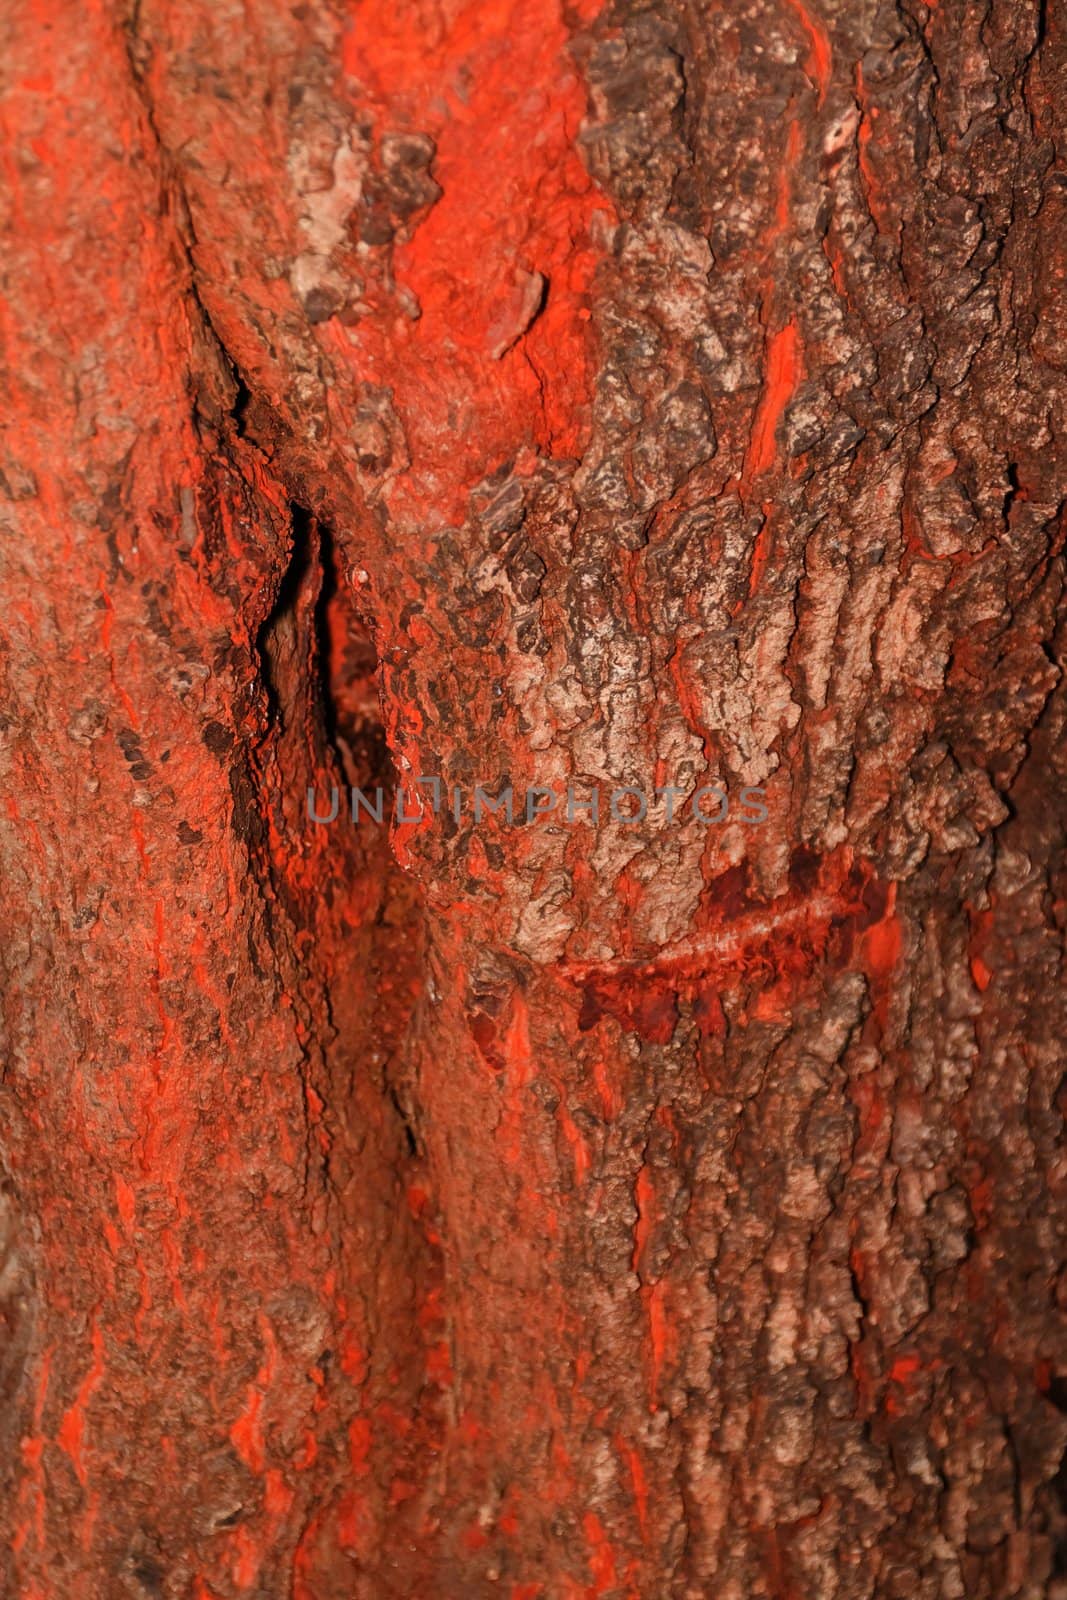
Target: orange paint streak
(866,170)
(836,259)
(761,552)
(71,1435)
(517,1041)
(126,1201)
(610,1099)
(277,1497)
(137,830)
(876,202)
(867,1096)
(602,1560)
(31,1449)
(883,941)
(644,1195)
(360,1437)
(819,62)
(246,1435)
(690,700)
(579,1148)
(659,1338)
(882,947)
(639,1481)
(246,1559)
(106,629)
(519,1060)
(783,371)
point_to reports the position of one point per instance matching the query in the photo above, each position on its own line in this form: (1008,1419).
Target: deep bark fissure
(564,1212)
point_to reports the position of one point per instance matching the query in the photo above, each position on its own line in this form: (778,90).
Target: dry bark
(658,395)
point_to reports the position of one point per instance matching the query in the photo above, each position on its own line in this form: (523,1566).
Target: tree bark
(542,397)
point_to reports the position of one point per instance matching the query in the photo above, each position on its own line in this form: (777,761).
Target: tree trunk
(658,1202)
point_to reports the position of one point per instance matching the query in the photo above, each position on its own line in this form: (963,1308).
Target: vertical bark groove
(534,395)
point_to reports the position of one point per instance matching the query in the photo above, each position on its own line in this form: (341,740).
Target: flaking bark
(534,396)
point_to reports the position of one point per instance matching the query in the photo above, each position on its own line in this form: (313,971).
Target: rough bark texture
(658,395)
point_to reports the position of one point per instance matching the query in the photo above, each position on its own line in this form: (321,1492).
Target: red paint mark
(866,170)
(981,923)
(578,1146)
(883,940)
(864,135)
(360,1437)
(639,1481)
(106,628)
(353,1357)
(126,1201)
(517,1041)
(690,692)
(520,1073)
(708,1013)
(980,973)
(247,1558)
(783,370)
(439,1365)
(658,1338)
(474,1538)
(71,1435)
(773,945)
(819,62)
(602,1559)
(516,201)
(836,259)
(610,1099)
(137,830)
(644,1195)
(277,1497)
(761,552)
(867,1096)
(903,1369)
(882,945)
(107,622)
(901,1373)
(31,1448)
(246,1435)
(649,1011)
(352,1522)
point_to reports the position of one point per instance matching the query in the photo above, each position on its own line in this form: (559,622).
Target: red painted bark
(533,395)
